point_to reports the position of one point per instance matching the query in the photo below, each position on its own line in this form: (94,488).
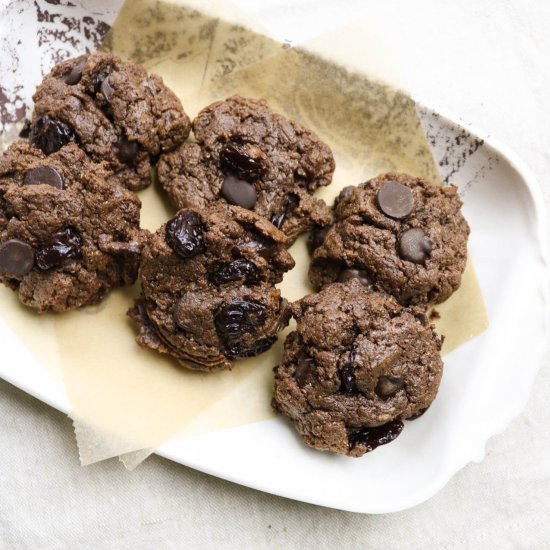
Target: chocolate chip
(395,200)
(242,160)
(61,246)
(239,192)
(75,75)
(388,386)
(44,175)
(317,237)
(184,234)
(106,89)
(370,438)
(50,135)
(351,273)
(303,370)
(127,150)
(16,258)
(347,374)
(414,246)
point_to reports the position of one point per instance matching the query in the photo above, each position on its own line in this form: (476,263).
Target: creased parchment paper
(127,401)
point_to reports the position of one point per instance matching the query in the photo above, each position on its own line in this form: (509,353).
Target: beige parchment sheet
(127,401)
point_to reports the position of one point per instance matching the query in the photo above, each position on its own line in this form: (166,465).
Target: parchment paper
(125,399)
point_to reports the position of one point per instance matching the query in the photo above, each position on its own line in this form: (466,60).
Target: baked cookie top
(247,155)
(208,293)
(67,235)
(113,110)
(357,365)
(402,234)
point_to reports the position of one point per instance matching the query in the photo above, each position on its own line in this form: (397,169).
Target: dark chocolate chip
(44,175)
(303,371)
(370,438)
(26,130)
(184,234)
(317,237)
(16,258)
(395,200)
(239,192)
(347,374)
(243,161)
(127,150)
(106,89)
(237,270)
(388,386)
(60,247)
(352,273)
(50,135)
(414,246)
(75,75)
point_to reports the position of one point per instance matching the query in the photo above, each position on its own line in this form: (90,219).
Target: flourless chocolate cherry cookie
(402,234)
(208,293)
(247,155)
(68,235)
(357,365)
(113,110)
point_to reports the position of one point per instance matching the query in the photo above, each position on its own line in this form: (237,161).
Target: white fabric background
(487,61)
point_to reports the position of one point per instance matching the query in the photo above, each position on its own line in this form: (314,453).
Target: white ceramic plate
(486,381)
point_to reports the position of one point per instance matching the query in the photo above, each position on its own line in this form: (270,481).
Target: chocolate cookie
(400,233)
(113,110)
(357,365)
(247,155)
(208,292)
(67,234)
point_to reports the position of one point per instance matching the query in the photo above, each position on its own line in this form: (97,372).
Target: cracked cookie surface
(248,155)
(357,364)
(208,293)
(403,234)
(68,234)
(113,110)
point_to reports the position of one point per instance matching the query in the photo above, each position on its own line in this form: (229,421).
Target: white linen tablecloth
(488,62)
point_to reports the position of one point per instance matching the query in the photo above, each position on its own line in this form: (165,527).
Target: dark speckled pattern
(59,29)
